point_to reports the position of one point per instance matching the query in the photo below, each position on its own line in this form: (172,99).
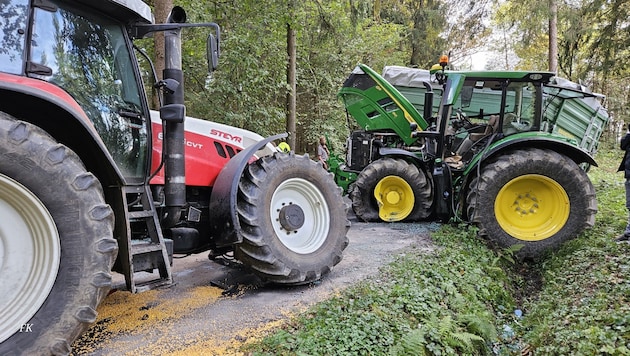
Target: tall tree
(425,20)
(524,21)
(608,53)
(291,76)
(436,27)
(467,29)
(553,36)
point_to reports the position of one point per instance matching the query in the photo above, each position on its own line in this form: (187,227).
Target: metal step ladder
(588,140)
(145,249)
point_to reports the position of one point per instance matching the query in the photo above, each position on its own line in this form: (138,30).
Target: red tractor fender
(55,111)
(223,199)
(39,88)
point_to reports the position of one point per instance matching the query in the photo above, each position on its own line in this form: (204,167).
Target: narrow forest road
(214,308)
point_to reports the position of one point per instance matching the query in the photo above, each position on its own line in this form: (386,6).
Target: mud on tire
(535,197)
(293,219)
(71,199)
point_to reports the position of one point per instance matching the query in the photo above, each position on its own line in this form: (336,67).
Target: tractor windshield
(514,100)
(88,56)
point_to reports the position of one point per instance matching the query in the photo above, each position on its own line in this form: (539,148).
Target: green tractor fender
(404,154)
(517,142)
(560,144)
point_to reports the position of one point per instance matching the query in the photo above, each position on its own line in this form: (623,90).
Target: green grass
(464,299)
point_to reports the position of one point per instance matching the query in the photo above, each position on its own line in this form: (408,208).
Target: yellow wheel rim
(532,207)
(394,197)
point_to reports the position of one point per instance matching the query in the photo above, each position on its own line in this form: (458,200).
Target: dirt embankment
(213,308)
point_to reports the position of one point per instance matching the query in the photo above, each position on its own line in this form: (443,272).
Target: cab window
(88,56)
(13,29)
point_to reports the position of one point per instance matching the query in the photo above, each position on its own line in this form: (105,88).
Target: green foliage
(250,87)
(609,45)
(506,255)
(584,307)
(438,304)
(423,22)
(437,336)
(593,37)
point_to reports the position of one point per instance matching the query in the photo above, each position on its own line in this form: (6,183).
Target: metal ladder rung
(150,252)
(145,286)
(140,214)
(144,247)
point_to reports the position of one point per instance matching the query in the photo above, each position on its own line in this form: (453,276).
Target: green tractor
(505,150)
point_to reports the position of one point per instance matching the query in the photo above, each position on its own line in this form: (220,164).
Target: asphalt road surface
(213,308)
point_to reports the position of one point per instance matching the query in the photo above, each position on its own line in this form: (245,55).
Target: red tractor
(93,182)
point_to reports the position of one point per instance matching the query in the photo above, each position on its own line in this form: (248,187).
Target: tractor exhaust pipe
(173,113)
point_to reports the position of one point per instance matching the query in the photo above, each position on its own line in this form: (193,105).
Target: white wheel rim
(30,253)
(314,232)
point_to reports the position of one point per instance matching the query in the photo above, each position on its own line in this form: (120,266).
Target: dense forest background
(586,41)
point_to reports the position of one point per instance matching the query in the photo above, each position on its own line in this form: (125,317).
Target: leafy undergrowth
(443,303)
(464,299)
(584,306)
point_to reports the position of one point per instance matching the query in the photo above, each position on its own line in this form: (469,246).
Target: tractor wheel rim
(395,198)
(30,253)
(311,214)
(532,207)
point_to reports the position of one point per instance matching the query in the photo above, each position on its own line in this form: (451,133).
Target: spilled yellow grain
(201,345)
(126,313)
(129,312)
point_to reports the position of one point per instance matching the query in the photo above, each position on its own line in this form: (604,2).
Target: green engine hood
(376,105)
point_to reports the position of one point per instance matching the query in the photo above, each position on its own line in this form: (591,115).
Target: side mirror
(213,53)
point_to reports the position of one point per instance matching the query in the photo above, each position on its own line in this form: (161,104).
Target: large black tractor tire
(56,243)
(405,192)
(534,197)
(293,220)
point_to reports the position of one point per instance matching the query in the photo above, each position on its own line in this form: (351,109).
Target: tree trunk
(291,81)
(416,41)
(161,10)
(553,36)
(506,51)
